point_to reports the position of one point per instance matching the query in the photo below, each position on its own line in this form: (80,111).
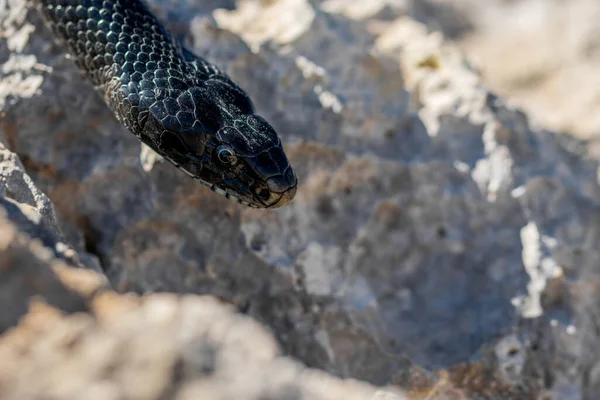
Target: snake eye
(226,155)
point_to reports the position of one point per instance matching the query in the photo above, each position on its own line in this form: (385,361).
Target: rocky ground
(438,247)
(541,54)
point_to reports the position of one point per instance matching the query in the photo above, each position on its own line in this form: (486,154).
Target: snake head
(255,167)
(217,139)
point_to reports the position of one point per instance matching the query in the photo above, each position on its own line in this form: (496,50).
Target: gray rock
(31,210)
(433,227)
(77,339)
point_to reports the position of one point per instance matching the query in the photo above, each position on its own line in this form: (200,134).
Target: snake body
(183,107)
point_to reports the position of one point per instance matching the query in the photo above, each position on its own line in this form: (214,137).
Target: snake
(180,105)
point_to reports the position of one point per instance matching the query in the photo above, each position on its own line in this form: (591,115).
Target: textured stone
(555,60)
(76,339)
(542,55)
(432,227)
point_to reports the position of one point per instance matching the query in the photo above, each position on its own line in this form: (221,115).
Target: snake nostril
(264,194)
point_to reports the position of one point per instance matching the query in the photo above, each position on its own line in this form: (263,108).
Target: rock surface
(437,243)
(77,339)
(543,55)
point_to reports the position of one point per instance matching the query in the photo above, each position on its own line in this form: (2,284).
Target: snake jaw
(213,186)
(228,195)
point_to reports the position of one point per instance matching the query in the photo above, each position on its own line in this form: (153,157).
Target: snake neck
(112,38)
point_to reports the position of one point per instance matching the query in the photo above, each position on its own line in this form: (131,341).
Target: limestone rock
(433,227)
(76,339)
(542,55)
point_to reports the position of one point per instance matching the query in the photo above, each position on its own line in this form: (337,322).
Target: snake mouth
(284,198)
(274,199)
(227,194)
(213,186)
(268,199)
(275,192)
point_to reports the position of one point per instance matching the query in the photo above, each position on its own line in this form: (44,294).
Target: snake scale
(183,107)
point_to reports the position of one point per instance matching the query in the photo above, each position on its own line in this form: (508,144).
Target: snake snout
(281,189)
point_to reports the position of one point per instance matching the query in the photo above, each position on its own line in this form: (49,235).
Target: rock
(536,53)
(555,59)
(437,242)
(77,339)
(31,210)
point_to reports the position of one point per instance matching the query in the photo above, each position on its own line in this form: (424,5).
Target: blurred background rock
(542,55)
(438,242)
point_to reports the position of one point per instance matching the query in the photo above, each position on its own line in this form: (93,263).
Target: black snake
(181,106)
